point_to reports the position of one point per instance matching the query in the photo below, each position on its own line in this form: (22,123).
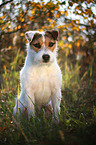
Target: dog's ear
(29,35)
(53,33)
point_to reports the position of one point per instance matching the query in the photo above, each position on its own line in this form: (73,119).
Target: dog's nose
(46,57)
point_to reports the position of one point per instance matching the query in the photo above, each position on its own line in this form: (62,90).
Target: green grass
(77,124)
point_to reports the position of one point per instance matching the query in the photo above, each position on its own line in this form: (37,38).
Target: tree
(75,20)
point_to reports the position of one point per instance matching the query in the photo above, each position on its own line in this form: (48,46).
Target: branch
(5,3)
(4,33)
(88,26)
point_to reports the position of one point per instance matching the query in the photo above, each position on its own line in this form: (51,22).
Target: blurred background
(75,20)
(76,23)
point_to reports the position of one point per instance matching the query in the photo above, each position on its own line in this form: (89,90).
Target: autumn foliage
(75,21)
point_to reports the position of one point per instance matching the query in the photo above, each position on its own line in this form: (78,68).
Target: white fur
(40,82)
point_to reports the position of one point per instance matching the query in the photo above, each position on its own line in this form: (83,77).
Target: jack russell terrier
(40,78)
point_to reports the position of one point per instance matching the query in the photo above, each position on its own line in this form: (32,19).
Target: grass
(77,124)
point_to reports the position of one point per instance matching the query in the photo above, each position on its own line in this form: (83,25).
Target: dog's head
(42,45)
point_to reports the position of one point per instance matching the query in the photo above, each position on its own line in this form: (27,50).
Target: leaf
(64,37)
(39,6)
(47,14)
(2,17)
(60,43)
(22,34)
(88,1)
(18,4)
(66,45)
(89,11)
(63,3)
(10,47)
(78,44)
(32,12)
(66,13)
(3,28)
(19,27)
(69,33)
(70,46)
(22,20)
(16,28)
(85,17)
(9,30)
(62,12)
(70,3)
(26,41)
(58,15)
(56,9)
(48,19)
(52,25)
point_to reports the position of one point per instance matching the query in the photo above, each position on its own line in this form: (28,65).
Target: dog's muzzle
(46,58)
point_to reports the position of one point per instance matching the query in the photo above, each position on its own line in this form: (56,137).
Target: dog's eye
(51,44)
(37,45)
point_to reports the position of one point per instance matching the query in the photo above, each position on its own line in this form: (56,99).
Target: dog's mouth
(45,61)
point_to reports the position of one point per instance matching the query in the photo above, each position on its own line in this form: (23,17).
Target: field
(77,124)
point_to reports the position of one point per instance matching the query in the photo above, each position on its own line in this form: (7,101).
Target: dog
(41,77)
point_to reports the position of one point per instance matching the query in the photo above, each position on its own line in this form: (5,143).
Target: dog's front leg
(56,99)
(31,106)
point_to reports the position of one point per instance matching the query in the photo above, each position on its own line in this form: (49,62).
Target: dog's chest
(42,82)
(43,90)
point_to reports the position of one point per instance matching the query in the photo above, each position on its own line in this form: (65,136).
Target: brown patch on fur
(36,37)
(38,40)
(47,41)
(53,34)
